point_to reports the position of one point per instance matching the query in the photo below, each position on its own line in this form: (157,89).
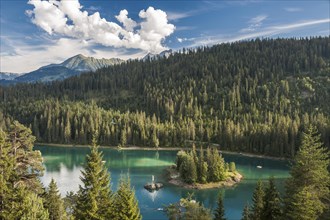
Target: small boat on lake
(259,167)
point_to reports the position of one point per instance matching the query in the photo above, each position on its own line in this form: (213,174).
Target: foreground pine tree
(94,198)
(126,205)
(20,167)
(308,188)
(272,209)
(258,202)
(54,203)
(219,213)
(246,213)
(188,209)
(31,207)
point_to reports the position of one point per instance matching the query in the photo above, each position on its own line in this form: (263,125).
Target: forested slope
(254,96)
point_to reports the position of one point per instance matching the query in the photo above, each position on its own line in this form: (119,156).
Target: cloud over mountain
(67,18)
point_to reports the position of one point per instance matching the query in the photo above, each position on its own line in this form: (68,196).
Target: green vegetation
(195,168)
(255,96)
(258,202)
(272,202)
(307,190)
(53,202)
(20,167)
(125,203)
(246,213)
(188,209)
(219,213)
(22,195)
(94,198)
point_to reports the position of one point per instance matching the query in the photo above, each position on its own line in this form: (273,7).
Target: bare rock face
(236,179)
(153,186)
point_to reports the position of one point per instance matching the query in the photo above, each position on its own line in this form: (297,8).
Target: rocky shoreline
(174,178)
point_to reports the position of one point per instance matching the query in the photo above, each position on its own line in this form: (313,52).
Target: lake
(64,165)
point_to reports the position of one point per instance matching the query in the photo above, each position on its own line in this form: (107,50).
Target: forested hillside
(254,96)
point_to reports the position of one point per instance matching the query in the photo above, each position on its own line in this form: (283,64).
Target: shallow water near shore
(64,165)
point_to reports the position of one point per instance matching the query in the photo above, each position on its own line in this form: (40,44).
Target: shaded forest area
(255,96)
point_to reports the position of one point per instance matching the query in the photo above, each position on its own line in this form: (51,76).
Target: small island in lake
(196,171)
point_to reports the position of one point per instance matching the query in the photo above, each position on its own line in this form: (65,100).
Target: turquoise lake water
(64,165)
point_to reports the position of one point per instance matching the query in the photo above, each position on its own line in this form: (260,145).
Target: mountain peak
(79,56)
(82,63)
(70,67)
(152,56)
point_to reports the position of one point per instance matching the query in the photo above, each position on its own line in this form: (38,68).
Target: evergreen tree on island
(308,188)
(202,168)
(94,198)
(195,168)
(216,166)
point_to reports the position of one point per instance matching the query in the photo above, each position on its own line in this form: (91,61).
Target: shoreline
(131,147)
(113,147)
(173,177)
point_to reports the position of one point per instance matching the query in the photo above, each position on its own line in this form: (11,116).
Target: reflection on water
(64,165)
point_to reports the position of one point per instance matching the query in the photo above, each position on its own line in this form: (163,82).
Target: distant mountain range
(8,76)
(70,67)
(81,63)
(152,56)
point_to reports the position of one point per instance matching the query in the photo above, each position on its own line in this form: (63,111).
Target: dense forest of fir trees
(22,196)
(255,96)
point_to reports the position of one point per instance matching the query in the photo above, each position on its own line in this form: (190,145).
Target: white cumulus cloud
(128,23)
(67,18)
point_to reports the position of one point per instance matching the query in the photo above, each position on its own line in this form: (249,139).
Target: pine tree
(305,205)
(189,170)
(70,202)
(30,207)
(28,162)
(216,166)
(54,203)
(258,202)
(192,210)
(180,157)
(202,171)
(246,213)
(309,177)
(123,138)
(126,206)
(7,164)
(20,167)
(192,167)
(219,213)
(154,139)
(94,198)
(272,209)
(232,167)
(67,129)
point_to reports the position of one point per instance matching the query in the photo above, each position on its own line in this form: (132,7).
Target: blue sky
(35,33)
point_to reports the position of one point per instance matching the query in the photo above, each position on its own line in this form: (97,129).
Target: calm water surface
(64,165)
